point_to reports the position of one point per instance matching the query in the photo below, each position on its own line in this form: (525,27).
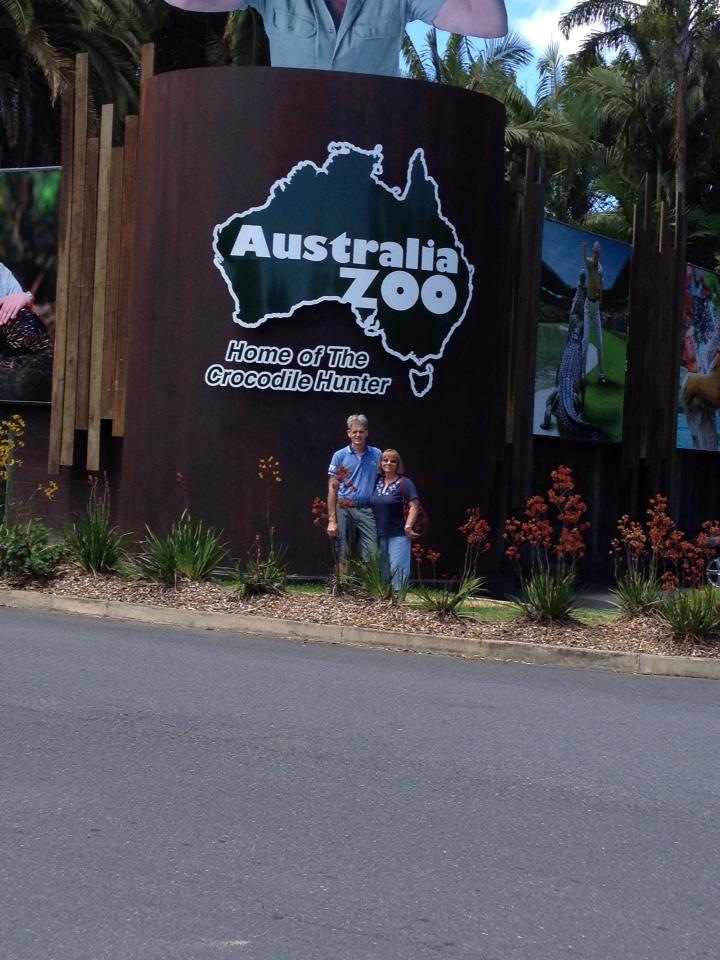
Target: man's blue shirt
(302,33)
(358,486)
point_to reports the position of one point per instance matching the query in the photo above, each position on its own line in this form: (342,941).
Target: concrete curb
(468,648)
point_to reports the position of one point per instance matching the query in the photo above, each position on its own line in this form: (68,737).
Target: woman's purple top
(388,505)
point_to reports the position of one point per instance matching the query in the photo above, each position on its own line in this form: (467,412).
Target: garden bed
(485,620)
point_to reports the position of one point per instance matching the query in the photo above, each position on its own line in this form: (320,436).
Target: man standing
(591,314)
(352,474)
(358,36)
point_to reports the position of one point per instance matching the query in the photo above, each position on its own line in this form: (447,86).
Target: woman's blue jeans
(395,555)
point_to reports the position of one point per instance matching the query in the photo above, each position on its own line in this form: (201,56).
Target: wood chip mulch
(640,634)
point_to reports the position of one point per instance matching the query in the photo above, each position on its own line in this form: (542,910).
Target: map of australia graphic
(338,232)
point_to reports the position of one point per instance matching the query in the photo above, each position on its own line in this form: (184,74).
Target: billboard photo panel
(699,387)
(582,335)
(28,265)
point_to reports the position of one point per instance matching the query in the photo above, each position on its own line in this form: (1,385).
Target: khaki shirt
(302,33)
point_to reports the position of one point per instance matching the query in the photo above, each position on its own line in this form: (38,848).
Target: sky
(538,23)
(561,251)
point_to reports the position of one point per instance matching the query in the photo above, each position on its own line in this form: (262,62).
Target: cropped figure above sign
(357,36)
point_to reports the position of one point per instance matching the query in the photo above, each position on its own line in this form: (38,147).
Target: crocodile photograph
(582,335)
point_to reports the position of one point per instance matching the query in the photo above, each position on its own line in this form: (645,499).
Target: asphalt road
(176,795)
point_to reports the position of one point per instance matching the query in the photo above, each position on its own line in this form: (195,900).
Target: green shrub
(92,540)
(637,594)
(549,595)
(446,601)
(191,549)
(26,552)
(370,578)
(692,615)
(261,574)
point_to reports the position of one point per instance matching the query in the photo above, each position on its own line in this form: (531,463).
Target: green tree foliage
(641,96)
(186,39)
(39,40)
(654,70)
(547,123)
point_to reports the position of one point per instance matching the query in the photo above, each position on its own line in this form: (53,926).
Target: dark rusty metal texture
(212,142)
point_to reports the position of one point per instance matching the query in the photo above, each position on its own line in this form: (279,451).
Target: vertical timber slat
(99,289)
(525,325)
(653,358)
(147,69)
(113,278)
(128,207)
(74,253)
(67,124)
(514,197)
(87,270)
(147,62)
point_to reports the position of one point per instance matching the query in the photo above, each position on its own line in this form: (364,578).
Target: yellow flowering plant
(12,432)
(26,552)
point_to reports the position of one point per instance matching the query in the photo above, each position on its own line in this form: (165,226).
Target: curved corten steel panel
(212,144)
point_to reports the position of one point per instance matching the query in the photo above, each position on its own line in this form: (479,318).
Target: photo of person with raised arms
(356,36)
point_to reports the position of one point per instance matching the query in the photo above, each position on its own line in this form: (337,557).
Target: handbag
(422,520)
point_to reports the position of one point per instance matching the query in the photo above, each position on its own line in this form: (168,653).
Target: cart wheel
(712,572)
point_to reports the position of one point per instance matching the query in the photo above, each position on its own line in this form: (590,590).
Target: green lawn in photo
(604,402)
(551,340)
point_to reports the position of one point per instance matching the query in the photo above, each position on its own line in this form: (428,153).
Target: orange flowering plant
(546,545)
(265,569)
(446,601)
(657,557)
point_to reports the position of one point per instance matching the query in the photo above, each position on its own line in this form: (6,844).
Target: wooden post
(87,273)
(99,289)
(113,281)
(74,255)
(128,207)
(67,124)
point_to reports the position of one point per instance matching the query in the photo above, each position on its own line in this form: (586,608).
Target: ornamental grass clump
(637,590)
(370,578)
(545,549)
(265,570)
(92,540)
(446,601)
(190,549)
(655,558)
(692,615)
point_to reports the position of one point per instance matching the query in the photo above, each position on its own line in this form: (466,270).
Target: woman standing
(393,491)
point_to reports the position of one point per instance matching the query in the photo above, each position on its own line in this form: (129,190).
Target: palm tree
(39,40)
(189,39)
(38,43)
(554,124)
(243,41)
(491,68)
(451,66)
(662,46)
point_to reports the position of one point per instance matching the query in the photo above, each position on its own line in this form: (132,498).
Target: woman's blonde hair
(394,453)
